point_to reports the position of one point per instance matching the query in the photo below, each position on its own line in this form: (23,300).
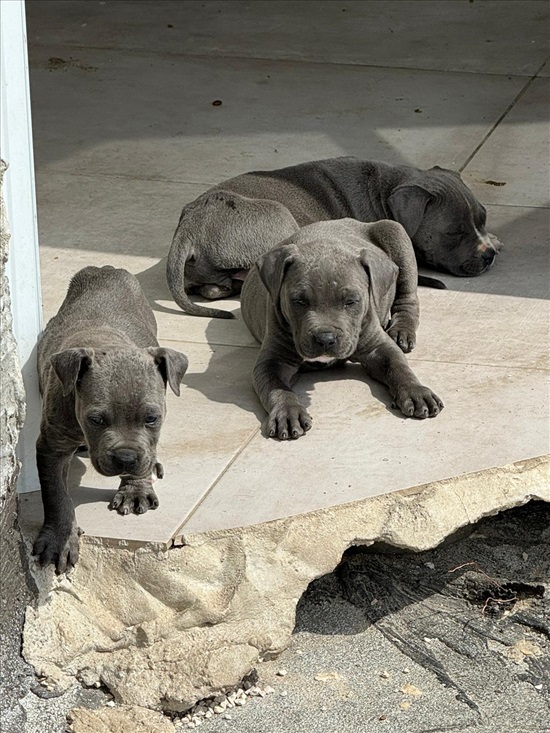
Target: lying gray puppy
(223,232)
(325,295)
(103,379)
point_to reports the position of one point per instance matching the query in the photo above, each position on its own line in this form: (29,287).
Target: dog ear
(456,174)
(273,266)
(408,204)
(382,273)
(171,364)
(70,365)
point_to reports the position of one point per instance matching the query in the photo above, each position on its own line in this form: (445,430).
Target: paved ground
(455,639)
(125,133)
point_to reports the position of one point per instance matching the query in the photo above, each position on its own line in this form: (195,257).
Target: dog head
(325,292)
(445,222)
(120,402)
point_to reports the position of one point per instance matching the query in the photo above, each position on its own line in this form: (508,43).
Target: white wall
(23,267)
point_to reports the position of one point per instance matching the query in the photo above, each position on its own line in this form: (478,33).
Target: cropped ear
(382,273)
(273,266)
(408,204)
(171,364)
(70,365)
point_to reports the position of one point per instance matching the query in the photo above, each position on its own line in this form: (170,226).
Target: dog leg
(272,379)
(387,364)
(58,539)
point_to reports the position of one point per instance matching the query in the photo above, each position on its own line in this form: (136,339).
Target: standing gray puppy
(325,295)
(222,233)
(103,379)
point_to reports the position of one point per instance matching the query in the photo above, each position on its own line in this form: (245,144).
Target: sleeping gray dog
(223,232)
(325,295)
(103,379)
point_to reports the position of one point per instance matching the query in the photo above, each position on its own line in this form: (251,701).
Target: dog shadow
(228,379)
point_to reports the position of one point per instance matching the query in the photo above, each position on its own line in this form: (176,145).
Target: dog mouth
(108,466)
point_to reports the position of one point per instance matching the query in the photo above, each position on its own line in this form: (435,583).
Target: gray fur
(226,229)
(103,379)
(326,295)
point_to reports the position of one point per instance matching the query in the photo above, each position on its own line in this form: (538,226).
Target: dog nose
(325,338)
(125,458)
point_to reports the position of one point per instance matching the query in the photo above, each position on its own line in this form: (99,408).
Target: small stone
(208,714)
(111,704)
(538,687)
(218,709)
(281,672)
(525,556)
(385,675)
(226,716)
(410,690)
(284,693)
(382,717)
(240,701)
(430,565)
(268,690)
(299,652)
(406,670)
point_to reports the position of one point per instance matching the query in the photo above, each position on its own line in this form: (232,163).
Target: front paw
(418,401)
(58,545)
(403,333)
(288,421)
(134,496)
(495,241)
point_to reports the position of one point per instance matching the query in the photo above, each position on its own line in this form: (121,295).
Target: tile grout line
(503,115)
(179,530)
(265,59)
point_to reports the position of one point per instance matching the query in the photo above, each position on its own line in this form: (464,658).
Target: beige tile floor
(125,133)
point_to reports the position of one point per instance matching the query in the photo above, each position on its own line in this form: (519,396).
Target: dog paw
(288,422)
(58,546)
(404,337)
(495,241)
(134,496)
(418,401)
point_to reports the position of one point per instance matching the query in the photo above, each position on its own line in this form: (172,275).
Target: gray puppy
(103,379)
(223,232)
(325,295)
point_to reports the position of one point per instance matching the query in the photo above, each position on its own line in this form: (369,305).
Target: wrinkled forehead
(119,378)
(323,261)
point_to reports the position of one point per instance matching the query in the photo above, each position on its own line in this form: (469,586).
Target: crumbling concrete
(15,593)
(164,627)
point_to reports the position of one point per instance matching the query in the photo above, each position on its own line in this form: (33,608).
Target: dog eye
(96,419)
(349,303)
(151,419)
(300,301)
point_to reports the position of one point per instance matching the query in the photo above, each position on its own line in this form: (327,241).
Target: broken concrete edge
(122,719)
(164,628)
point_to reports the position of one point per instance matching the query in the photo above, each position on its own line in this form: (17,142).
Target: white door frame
(23,266)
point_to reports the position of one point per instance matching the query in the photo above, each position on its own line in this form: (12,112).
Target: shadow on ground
(476,607)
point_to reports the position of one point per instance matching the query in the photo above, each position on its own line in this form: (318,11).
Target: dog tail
(431,282)
(180,252)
